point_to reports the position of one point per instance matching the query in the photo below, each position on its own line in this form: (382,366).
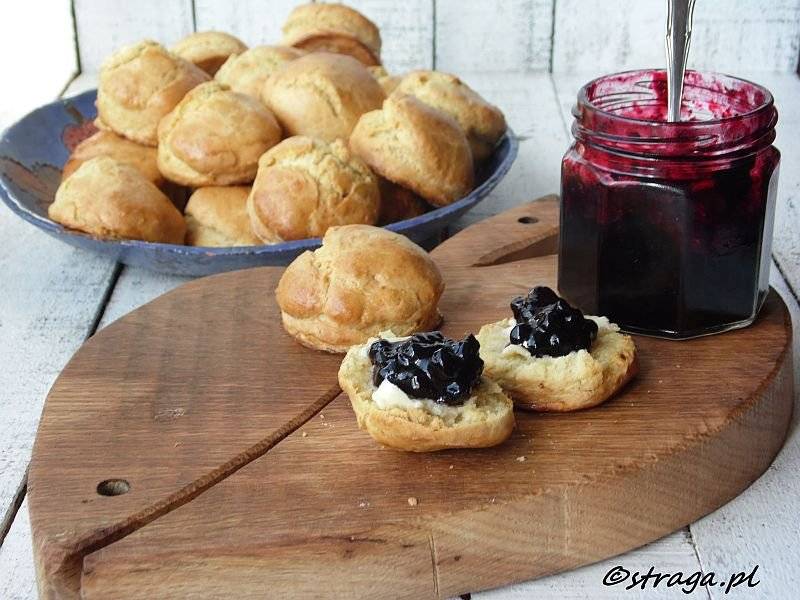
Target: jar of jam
(666,227)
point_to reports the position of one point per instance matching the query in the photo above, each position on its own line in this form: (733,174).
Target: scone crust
(363,280)
(107,143)
(139,85)
(246,72)
(208,50)
(560,384)
(317,26)
(388,82)
(483,122)
(304,186)
(489,423)
(417,147)
(322,95)
(398,203)
(113,200)
(215,136)
(217,217)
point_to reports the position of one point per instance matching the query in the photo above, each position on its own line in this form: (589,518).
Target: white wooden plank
(531,109)
(255,22)
(760,527)
(671,554)
(103,26)
(594,36)
(17,572)
(54,63)
(512,36)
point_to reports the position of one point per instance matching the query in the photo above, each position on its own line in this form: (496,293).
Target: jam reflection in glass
(666,227)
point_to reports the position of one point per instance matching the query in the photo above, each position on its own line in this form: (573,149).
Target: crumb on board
(305,434)
(520,459)
(412,501)
(450,467)
(363,504)
(321,416)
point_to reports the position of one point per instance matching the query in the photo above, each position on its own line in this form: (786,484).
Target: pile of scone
(272,143)
(374,295)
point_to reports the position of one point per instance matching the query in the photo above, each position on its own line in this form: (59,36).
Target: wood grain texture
(512,36)
(597,471)
(254,21)
(596,37)
(17,575)
(103,26)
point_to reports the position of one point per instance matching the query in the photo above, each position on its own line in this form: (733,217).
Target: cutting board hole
(527,220)
(113,487)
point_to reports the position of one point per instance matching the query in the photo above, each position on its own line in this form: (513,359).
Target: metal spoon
(679,34)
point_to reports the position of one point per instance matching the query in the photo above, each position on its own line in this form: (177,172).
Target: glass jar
(666,228)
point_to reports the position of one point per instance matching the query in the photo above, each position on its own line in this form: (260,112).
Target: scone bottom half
(551,358)
(424,393)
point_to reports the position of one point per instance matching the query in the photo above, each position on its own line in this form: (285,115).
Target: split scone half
(581,379)
(399,421)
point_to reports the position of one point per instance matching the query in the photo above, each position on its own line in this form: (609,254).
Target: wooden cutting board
(193,449)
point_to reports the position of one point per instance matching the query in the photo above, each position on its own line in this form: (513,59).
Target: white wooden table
(52,297)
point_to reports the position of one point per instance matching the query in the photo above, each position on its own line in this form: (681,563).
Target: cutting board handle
(527,231)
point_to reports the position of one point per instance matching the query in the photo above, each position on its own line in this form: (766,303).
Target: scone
(381,75)
(246,72)
(552,358)
(483,123)
(439,400)
(215,136)
(322,95)
(139,85)
(305,185)
(208,50)
(398,203)
(336,28)
(108,143)
(217,216)
(417,147)
(363,280)
(110,199)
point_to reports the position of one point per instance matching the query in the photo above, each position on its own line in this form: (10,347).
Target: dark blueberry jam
(666,227)
(548,326)
(429,365)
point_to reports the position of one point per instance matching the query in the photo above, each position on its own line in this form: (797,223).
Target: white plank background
(527,56)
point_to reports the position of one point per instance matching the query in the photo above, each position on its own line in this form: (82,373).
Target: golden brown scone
(581,379)
(139,85)
(333,28)
(381,75)
(398,203)
(322,95)
(208,50)
(483,123)
(486,419)
(305,185)
(108,143)
(110,199)
(417,147)
(363,280)
(246,73)
(217,216)
(215,136)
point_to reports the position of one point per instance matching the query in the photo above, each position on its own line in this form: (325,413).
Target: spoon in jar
(679,34)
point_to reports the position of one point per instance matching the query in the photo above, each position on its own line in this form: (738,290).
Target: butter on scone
(305,185)
(437,400)
(323,27)
(322,95)
(215,136)
(217,217)
(483,122)
(140,84)
(113,200)
(361,281)
(550,357)
(418,147)
(208,50)
(246,72)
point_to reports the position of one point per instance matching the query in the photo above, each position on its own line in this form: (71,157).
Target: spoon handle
(679,34)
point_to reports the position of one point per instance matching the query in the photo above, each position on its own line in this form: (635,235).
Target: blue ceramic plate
(33,151)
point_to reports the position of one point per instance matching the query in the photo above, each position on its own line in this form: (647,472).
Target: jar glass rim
(585,103)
